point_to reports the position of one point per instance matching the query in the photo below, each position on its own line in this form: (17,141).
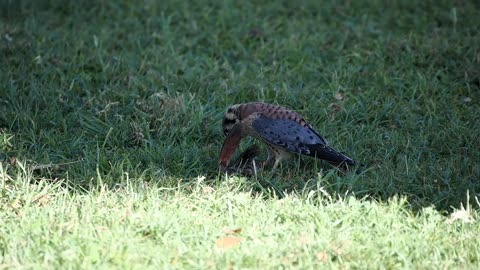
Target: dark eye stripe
(229,121)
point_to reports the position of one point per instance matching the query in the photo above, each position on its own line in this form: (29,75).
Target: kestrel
(283,131)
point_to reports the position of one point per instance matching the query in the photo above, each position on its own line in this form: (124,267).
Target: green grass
(110,131)
(139,224)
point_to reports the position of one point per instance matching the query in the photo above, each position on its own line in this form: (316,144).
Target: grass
(195,225)
(110,131)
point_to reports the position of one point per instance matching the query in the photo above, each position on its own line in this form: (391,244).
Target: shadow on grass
(371,184)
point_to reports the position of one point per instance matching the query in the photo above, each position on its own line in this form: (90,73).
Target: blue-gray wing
(287,134)
(296,138)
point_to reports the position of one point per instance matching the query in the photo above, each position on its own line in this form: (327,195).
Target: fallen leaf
(174,260)
(207,190)
(304,240)
(230,231)
(227,242)
(338,247)
(338,96)
(211,264)
(171,103)
(42,201)
(13,161)
(322,256)
(334,107)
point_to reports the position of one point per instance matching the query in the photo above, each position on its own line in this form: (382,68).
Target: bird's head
(230,118)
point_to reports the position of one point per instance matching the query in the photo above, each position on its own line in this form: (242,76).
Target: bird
(282,130)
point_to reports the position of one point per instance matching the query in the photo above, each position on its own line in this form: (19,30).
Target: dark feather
(297,138)
(327,153)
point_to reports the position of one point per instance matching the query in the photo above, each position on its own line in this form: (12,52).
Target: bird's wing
(287,134)
(296,138)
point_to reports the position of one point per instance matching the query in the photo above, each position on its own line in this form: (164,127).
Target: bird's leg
(275,165)
(270,158)
(273,157)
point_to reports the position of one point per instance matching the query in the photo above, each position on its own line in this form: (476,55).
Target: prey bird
(282,130)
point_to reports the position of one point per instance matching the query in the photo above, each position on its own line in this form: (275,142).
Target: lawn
(110,116)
